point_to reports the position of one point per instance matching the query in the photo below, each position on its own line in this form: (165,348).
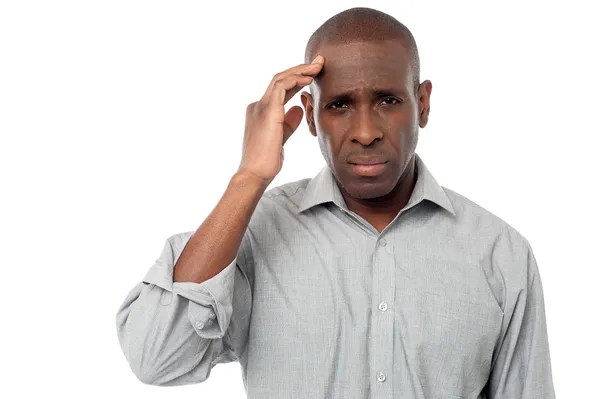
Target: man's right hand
(268,126)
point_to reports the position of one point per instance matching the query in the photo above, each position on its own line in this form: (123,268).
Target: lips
(367,160)
(368,167)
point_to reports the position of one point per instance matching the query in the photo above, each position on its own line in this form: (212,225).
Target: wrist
(249,179)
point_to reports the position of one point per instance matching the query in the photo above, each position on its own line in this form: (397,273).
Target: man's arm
(521,366)
(216,242)
(173,332)
(267,129)
(193,308)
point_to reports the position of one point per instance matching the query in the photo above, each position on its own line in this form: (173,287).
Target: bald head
(363,24)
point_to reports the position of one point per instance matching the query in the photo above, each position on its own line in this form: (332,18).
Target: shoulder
(473,216)
(277,210)
(506,246)
(287,191)
(276,206)
(285,197)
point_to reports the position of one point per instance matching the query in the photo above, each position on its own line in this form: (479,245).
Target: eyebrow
(378,93)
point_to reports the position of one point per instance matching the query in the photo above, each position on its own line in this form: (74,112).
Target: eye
(391,100)
(336,104)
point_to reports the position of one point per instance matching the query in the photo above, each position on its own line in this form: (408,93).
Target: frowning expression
(366,110)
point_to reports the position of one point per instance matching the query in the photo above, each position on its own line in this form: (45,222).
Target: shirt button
(383,306)
(380,377)
(382,242)
(212,316)
(200,324)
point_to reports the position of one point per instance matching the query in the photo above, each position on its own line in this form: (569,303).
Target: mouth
(369,169)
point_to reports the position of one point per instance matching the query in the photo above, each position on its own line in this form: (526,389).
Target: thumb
(291,121)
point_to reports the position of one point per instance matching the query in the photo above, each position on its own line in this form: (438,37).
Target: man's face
(364,110)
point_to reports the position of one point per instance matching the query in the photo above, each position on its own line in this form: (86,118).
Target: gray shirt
(445,302)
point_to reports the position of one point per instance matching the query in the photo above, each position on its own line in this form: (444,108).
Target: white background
(121,123)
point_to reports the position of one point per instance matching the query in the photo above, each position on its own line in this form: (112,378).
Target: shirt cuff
(211,302)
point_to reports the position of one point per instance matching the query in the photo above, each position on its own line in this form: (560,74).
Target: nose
(364,128)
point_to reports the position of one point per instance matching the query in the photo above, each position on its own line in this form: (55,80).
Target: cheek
(406,116)
(406,121)
(328,134)
(325,147)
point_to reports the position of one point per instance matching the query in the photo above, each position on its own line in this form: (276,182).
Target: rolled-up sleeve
(174,333)
(521,366)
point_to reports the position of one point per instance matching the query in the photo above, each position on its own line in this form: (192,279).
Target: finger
(293,91)
(278,95)
(302,69)
(291,121)
(311,69)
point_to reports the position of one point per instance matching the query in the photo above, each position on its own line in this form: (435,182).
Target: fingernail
(315,60)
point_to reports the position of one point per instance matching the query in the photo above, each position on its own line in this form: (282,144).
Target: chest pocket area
(456,343)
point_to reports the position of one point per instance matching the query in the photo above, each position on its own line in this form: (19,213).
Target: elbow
(150,371)
(161,368)
(159,343)
(145,370)
(142,363)
(164,375)
(147,375)
(148,367)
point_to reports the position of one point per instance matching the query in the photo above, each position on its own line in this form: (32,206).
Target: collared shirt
(445,302)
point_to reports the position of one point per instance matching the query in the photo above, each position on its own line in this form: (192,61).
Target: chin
(368,189)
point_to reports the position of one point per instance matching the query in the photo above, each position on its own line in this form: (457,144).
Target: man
(369,280)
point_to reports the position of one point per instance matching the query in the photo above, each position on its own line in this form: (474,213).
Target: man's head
(366,105)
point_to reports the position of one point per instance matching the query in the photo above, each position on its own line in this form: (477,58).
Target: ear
(424,94)
(307,102)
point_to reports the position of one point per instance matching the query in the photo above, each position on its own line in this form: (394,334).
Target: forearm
(215,243)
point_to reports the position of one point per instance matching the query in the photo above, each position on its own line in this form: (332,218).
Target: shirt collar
(323,188)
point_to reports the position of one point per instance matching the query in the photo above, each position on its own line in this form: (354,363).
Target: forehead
(362,65)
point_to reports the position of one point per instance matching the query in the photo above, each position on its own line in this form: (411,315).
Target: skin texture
(379,116)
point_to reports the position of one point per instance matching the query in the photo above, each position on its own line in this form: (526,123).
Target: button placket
(383,288)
